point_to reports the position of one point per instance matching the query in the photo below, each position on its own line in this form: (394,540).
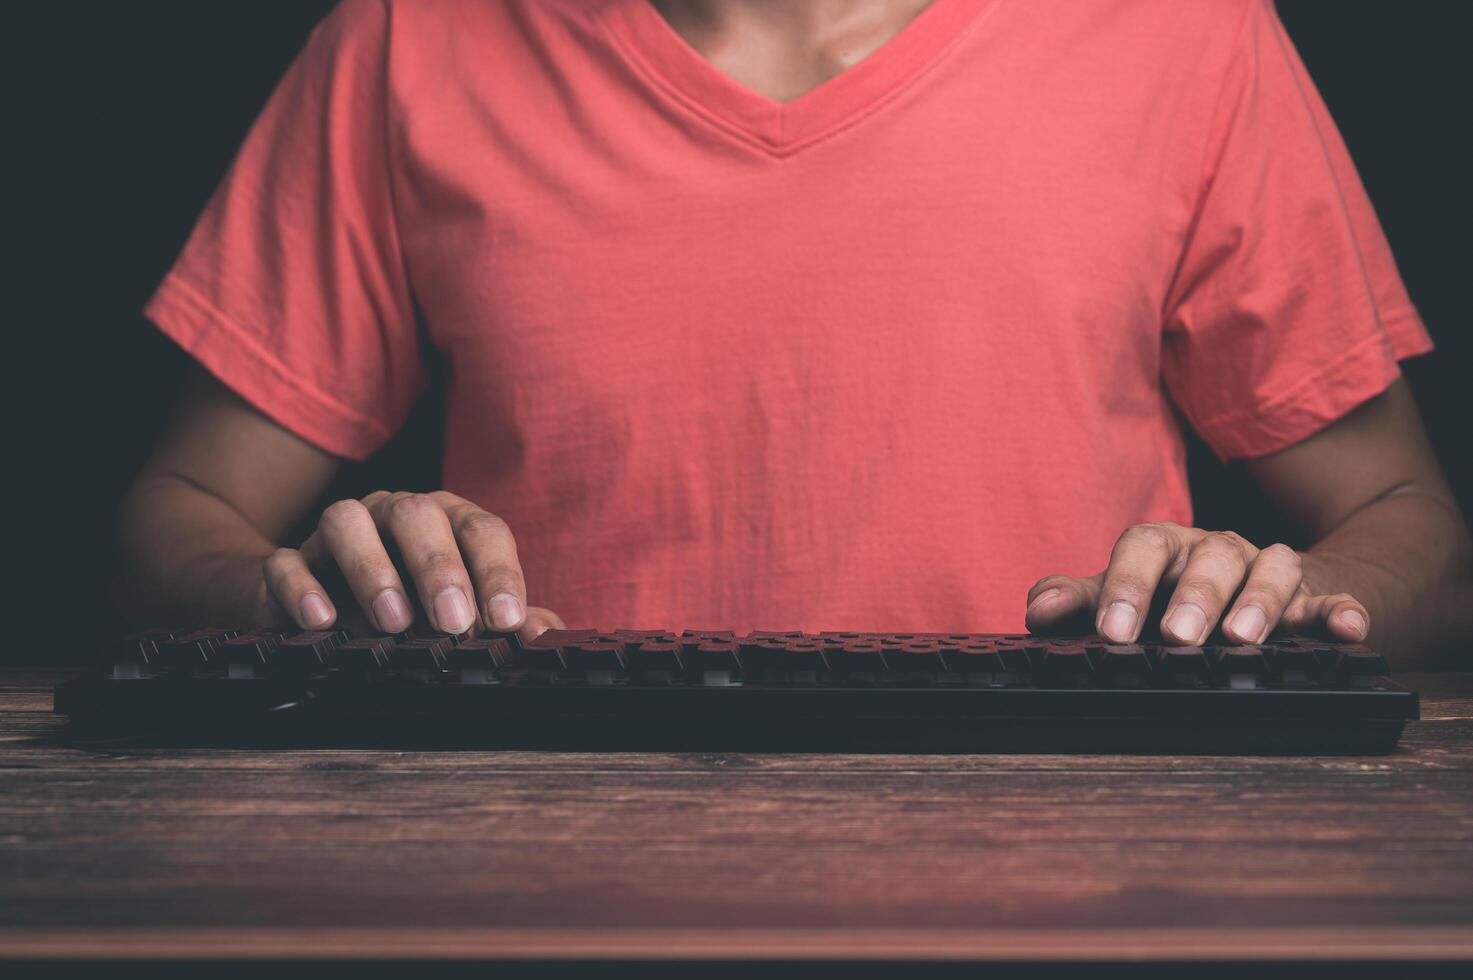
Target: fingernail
(315,610)
(1354,621)
(505,611)
(1250,623)
(1043,598)
(1187,622)
(391,612)
(453,612)
(1118,623)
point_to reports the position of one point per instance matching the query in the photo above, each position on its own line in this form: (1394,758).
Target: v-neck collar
(685,76)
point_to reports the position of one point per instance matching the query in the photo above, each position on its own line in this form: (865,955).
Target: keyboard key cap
(1124,664)
(713,663)
(1066,664)
(1357,665)
(1183,666)
(597,663)
(248,655)
(655,662)
(913,658)
(427,653)
(1241,668)
(364,653)
(864,658)
(194,650)
(484,653)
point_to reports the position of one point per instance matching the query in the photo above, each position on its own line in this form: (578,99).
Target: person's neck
(784,48)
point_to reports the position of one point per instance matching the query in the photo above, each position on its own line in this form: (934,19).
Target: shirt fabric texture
(875,359)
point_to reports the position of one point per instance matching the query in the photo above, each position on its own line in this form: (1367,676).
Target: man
(823,315)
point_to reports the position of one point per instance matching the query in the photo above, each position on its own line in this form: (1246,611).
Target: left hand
(1204,578)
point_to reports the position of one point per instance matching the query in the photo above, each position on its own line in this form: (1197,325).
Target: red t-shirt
(877,358)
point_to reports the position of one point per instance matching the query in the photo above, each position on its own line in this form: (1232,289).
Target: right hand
(459,562)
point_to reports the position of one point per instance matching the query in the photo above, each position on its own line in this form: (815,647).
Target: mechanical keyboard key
(362,653)
(138,655)
(1242,668)
(597,663)
(1124,664)
(911,659)
(1066,664)
(479,660)
(712,663)
(307,652)
(655,662)
(858,661)
(803,661)
(424,654)
(1187,667)
(194,650)
(763,658)
(1294,665)
(980,664)
(543,656)
(631,639)
(248,655)
(1357,665)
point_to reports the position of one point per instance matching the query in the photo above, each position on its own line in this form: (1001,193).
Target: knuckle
(1152,536)
(279,562)
(482,523)
(1200,589)
(342,513)
(1222,541)
(438,564)
(1281,553)
(1127,588)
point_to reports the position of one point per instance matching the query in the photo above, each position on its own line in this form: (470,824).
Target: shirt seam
(1268,411)
(780,150)
(242,336)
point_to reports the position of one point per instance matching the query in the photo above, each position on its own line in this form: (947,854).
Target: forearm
(1407,556)
(188,556)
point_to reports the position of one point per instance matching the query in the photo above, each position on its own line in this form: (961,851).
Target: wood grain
(126,850)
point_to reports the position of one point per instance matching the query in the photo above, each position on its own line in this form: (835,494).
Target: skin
(202,527)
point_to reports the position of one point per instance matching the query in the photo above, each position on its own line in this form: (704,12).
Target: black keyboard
(712,689)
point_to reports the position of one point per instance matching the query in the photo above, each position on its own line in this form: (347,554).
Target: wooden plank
(124,850)
(1444,746)
(736,849)
(983,944)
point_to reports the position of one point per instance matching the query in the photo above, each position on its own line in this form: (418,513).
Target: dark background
(134,110)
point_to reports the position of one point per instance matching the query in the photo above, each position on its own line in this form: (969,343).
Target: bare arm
(210,507)
(1386,527)
(202,538)
(1392,561)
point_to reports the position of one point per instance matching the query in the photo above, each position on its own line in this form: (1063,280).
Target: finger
(1138,561)
(1214,570)
(490,555)
(350,538)
(426,542)
(1339,616)
(297,590)
(1058,601)
(539,621)
(1273,581)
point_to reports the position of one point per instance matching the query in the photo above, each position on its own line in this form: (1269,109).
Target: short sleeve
(1287,310)
(291,288)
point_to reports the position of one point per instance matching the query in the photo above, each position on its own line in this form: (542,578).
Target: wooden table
(117,851)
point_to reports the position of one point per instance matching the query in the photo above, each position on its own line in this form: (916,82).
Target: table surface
(117,850)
